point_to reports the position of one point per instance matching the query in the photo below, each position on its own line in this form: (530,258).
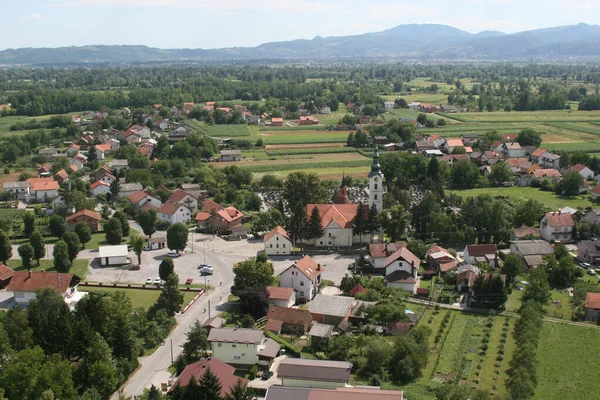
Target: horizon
(201,24)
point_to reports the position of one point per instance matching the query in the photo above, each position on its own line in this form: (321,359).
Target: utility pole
(171,351)
(204,251)
(209,309)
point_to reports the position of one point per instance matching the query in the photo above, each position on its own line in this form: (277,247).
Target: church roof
(375,167)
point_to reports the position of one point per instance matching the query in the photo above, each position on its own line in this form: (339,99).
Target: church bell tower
(376,182)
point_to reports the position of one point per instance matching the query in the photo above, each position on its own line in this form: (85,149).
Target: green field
(532,116)
(139,298)
(549,199)
(326,137)
(233,131)
(79,267)
(7,122)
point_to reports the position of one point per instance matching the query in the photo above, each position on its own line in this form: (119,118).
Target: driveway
(274,380)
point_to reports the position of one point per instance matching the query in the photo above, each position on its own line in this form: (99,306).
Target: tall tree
(166,268)
(26,253)
(196,344)
(73,244)
(39,247)
(359,222)
(92,157)
(5,247)
(177,237)
(301,189)
(240,391)
(538,289)
(171,298)
(124,222)
(148,220)
(513,266)
(52,322)
(28,224)
(84,232)
(62,263)
(297,226)
(254,301)
(137,243)
(251,273)
(113,231)
(314,228)
(115,188)
(394,222)
(57,225)
(210,386)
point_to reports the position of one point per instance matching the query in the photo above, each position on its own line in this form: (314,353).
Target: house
(24,286)
(414,105)
(497,146)
(309,120)
(452,159)
(61,176)
(276,121)
(401,270)
(277,242)
(241,347)
(222,219)
(323,374)
(139,130)
(156,243)
(44,171)
(481,253)
(230,155)
(178,134)
(325,110)
(189,199)
(142,198)
(320,333)
(441,259)
(43,189)
(532,251)
(288,320)
(451,144)
(79,160)
(102,150)
(18,190)
(91,218)
(591,216)
(525,232)
(556,227)
(336,220)
(224,372)
(536,155)
(389,105)
(173,212)
(304,276)
(465,280)
(552,174)
(187,107)
(437,140)
(276,392)
(584,171)
(424,145)
(119,165)
(73,150)
(114,255)
(127,189)
(589,251)
(491,157)
(281,297)
(6,274)
(445,108)
(331,310)
(104,174)
(469,138)
(208,208)
(100,187)
(592,305)
(114,144)
(549,160)
(595,192)
(513,150)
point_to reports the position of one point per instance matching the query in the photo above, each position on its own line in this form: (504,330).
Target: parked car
(189,281)
(205,272)
(207,268)
(134,268)
(149,281)
(157,281)
(591,272)
(202,266)
(266,375)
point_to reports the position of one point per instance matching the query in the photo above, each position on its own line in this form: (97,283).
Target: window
(321,243)
(301,294)
(237,357)
(233,346)
(277,238)
(375,197)
(375,187)
(301,283)
(277,245)
(243,354)
(271,245)
(219,344)
(284,245)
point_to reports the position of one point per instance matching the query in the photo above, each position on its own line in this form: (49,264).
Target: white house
(277,242)
(79,160)
(337,224)
(183,197)
(127,189)
(242,347)
(304,276)
(451,144)
(44,189)
(378,252)
(173,212)
(513,150)
(584,171)
(281,297)
(114,255)
(142,198)
(401,270)
(415,105)
(550,160)
(114,144)
(556,226)
(325,110)
(100,187)
(230,155)
(389,105)
(18,190)
(481,253)
(24,286)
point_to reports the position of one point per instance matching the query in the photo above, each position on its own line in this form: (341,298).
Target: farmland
(239,130)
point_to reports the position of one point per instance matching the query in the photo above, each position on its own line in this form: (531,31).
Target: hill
(413,41)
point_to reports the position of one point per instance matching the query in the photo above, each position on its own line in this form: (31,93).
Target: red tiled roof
(515,162)
(383,250)
(496,144)
(74,167)
(277,230)
(467,275)
(230,214)
(102,147)
(170,207)
(404,254)
(23,281)
(273,325)
(559,219)
(98,183)
(41,184)
(509,136)
(454,143)
(476,250)
(276,119)
(436,249)
(202,216)
(592,300)
(5,272)
(309,267)
(279,293)
(423,291)
(293,316)
(223,371)
(358,288)
(342,214)
(446,266)
(62,174)
(209,205)
(137,196)
(577,168)
(547,173)
(178,195)
(538,152)
(400,276)
(596,189)
(84,212)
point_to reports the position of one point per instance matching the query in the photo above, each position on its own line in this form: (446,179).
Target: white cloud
(33,17)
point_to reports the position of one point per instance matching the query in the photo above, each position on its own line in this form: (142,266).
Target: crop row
(574,147)
(315,150)
(306,165)
(453,350)
(575,127)
(303,139)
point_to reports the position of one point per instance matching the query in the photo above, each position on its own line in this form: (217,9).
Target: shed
(320,333)
(114,255)
(156,243)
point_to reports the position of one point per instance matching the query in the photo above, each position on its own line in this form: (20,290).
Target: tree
(394,222)
(138,243)
(561,272)
(148,220)
(196,344)
(254,301)
(407,359)
(240,391)
(529,137)
(28,224)
(464,175)
(39,247)
(251,273)
(115,188)
(570,183)
(528,212)
(538,289)
(62,262)
(512,267)
(501,173)
(359,223)
(314,227)
(84,232)
(210,386)
(5,247)
(113,231)
(171,298)
(301,189)
(57,226)
(297,226)
(166,268)
(26,253)
(51,321)
(73,244)
(92,157)
(124,222)
(372,220)
(177,237)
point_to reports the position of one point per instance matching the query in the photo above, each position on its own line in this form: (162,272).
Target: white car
(149,281)
(157,281)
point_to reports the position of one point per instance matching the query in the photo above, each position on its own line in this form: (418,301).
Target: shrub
(162,225)
(253,372)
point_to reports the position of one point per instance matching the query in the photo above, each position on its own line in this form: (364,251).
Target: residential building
(230,155)
(18,190)
(142,198)
(451,144)
(309,120)
(277,242)
(331,310)
(91,218)
(276,121)
(549,173)
(100,187)
(114,255)
(389,105)
(104,174)
(323,374)
(189,199)
(582,170)
(325,110)
(221,219)
(592,305)
(281,297)
(173,212)
(481,253)
(525,232)
(102,150)
(556,227)
(6,274)
(127,189)
(61,176)
(119,165)
(513,150)
(532,251)
(276,392)
(43,189)
(441,259)
(224,372)
(79,160)
(242,347)
(549,160)
(378,252)
(589,251)
(304,276)
(288,320)
(595,192)
(401,270)
(536,155)
(24,286)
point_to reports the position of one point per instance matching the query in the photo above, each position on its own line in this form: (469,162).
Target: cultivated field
(531,116)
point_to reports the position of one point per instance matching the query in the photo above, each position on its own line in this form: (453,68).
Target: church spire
(375,167)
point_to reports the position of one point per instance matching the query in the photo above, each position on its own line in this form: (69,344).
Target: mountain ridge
(409,41)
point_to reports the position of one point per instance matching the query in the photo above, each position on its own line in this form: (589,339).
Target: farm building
(114,255)
(230,155)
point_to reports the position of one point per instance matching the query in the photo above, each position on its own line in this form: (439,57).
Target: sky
(231,23)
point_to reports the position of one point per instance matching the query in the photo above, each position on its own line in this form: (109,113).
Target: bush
(285,344)
(253,372)
(162,225)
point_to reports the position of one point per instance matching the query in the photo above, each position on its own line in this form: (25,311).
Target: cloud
(33,17)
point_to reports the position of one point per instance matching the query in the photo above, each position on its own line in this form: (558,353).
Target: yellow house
(321,374)
(242,347)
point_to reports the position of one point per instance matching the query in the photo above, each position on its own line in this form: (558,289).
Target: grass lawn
(549,199)
(79,267)
(138,297)
(561,309)
(99,239)
(566,356)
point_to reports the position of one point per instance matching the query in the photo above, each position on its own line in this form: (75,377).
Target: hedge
(285,344)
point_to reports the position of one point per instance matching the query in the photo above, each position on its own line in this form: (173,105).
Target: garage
(114,255)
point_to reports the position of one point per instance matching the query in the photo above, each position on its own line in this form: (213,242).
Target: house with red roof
(281,297)
(401,270)
(100,187)
(91,218)
(550,173)
(5,274)
(596,192)
(24,286)
(61,176)
(44,189)
(276,121)
(102,150)
(223,371)
(440,259)
(592,305)
(451,144)
(186,197)
(358,288)
(304,276)
(481,253)
(378,252)
(142,198)
(556,226)
(173,212)
(336,220)
(585,172)
(216,217)
(277,242)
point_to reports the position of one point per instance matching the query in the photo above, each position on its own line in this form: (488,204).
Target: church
(337,217)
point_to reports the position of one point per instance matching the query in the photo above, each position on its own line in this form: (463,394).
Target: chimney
(318,267)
